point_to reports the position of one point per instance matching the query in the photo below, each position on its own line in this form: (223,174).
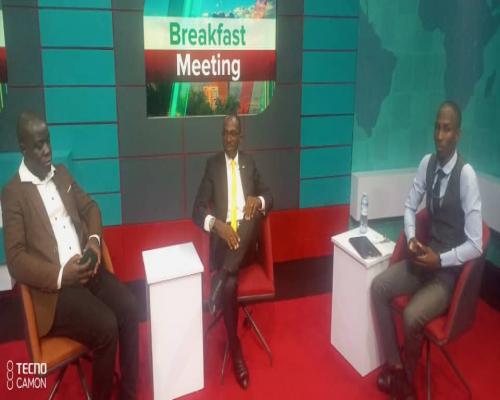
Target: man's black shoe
(386,379)
(239,367)
(403,389)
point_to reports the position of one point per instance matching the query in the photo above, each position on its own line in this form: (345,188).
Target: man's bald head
(231,134)
(447,130)
(28,123)
(455,109)
(231,117)
(34,142)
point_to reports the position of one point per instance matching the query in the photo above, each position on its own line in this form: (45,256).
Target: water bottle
(363,220)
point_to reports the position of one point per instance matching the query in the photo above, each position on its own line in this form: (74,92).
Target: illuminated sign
(3,64)
(217,53)
(197,49)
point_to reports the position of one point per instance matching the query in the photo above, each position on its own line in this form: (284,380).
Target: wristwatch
(211,223)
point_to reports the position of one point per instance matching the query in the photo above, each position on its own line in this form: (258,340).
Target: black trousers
(99,314)
(231,261)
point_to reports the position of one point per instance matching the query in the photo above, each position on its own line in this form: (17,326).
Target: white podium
(6,281)
(352,328)
(173,275)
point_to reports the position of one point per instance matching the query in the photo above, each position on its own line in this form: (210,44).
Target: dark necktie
(436,191)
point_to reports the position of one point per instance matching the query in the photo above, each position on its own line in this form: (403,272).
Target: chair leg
(82,380)
(58,382)
(457,372)
(224,361)
(257,331)
(428,368)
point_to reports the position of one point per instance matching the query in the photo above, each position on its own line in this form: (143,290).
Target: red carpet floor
(305,365)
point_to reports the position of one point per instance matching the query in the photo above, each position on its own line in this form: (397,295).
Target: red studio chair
(461,313)
(255,284)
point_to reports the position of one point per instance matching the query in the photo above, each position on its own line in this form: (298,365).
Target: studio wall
(412,55)
(81,64)
(357,86)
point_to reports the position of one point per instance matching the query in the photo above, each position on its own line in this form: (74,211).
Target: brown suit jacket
(30,244)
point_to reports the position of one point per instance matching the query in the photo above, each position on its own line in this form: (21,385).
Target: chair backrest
(256,280)
(31,328)
(265,255)
(106,258)
(462,309)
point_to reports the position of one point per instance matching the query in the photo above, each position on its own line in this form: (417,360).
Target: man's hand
(93,244)
(252,205)
(415,248)
(428,258)
(226,233)
(75,273)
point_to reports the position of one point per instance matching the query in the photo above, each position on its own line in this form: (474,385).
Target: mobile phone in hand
(88,255)
(420,250)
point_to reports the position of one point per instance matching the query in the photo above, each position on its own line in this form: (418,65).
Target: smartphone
(88,255)
(420,250)
(364,247)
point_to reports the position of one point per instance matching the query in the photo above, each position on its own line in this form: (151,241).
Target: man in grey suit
(429,275)
(229,204)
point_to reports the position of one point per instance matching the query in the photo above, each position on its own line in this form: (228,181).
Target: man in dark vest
(429,276)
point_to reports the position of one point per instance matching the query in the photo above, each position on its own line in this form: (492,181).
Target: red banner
(3,65)
(210,65)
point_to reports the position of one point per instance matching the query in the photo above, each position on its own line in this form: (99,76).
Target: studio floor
(305,364)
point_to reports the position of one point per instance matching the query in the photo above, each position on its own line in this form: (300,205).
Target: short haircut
(456,109)
(233,116)
(25,123)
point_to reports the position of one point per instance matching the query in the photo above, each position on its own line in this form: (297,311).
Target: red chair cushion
(252,281)
(400,302)
(59,350)
(436,329)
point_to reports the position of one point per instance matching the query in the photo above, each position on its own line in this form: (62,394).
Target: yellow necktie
(234,223)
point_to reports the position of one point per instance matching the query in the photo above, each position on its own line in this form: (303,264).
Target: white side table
(6,281)
(353,330)
(173,274)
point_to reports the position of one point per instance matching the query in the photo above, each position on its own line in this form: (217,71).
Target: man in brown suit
(49,222)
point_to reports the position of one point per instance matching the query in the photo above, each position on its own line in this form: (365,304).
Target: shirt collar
(449,165)
(228,160)
(27,176)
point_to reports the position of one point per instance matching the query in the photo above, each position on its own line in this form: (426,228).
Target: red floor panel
(305,365)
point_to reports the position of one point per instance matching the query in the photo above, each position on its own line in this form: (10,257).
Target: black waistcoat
(447,223)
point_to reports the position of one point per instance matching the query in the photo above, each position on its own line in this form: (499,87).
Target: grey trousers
(430,292)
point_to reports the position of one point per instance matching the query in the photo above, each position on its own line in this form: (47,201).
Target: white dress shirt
(471,205)
(240,197)
(63,228)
